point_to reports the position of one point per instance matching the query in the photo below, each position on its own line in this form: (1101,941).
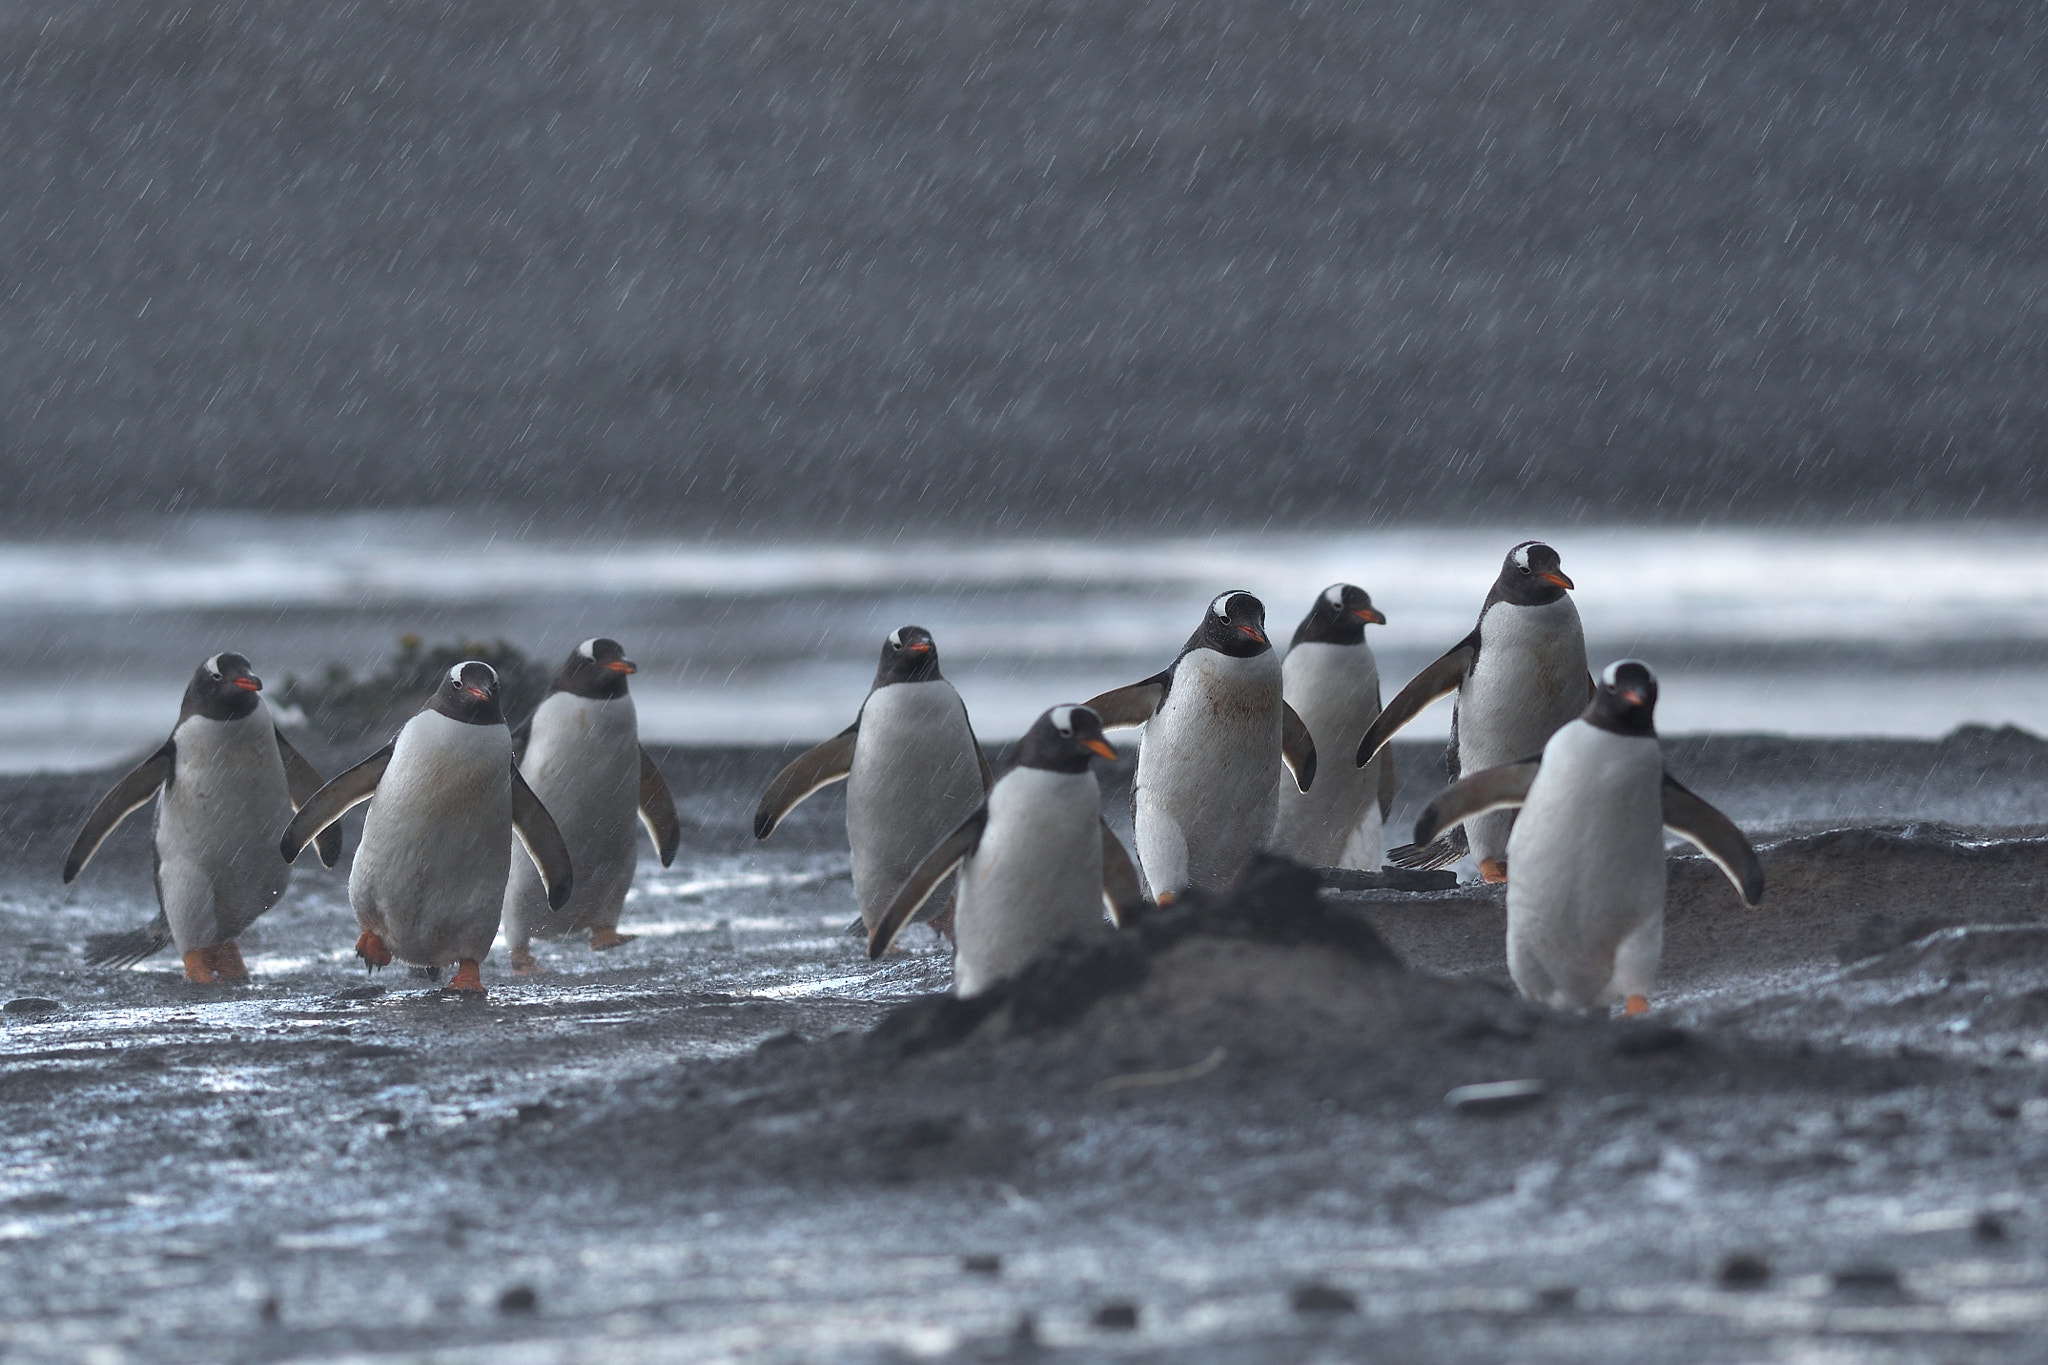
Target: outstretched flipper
(1122,707)
(129,795)
(1121,889)
(1437,681)
(333,801)
(303,779)
(130,946)
(1297,747)
(658,811)
(1432,856)
(1715,835)
(814,768)
(1387,788)
(543,842)
(1498,788)
(919,887)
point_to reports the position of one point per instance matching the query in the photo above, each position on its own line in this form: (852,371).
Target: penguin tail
(130,947)
(1440,852)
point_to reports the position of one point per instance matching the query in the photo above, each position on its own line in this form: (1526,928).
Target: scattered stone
(354,993)
(982,1264)
(518,1301)
(269,1311)
(1648,1040)
(780,1041)
(31,1004)
(539,1111)
(1743,1270)
(1316,1297)
(1866,1277)
(1557,1298)
(1116,1317)
(1496,1097)
(1989,1227)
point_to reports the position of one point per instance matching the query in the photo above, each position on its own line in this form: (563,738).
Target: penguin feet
(227,964)
(523,963)
(1636,1004)
(372,951)
(1493,871)
(605,937)
(1166,898)
(467,979)
(942,924)
(199,968)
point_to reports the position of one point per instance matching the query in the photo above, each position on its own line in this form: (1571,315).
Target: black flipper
(335,800)
(918,888)
(1387,788)
(522,735)
(1437,681)
(808,772)
(1123,707)
(1431,856)
(129,947)
(1121,889)
(1497,788)
(129,795)
(1297,747)
(543,842)
(303,779)
(658,811)
(1715,835)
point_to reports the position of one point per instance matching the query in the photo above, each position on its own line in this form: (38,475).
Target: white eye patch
(896,637)
(213,665)
(1334,594)
(588,649)
(1611,675)
(1220,608)
(1522,554)
(1063,720)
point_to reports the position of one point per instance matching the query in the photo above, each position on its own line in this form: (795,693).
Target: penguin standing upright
(580,753)
(429,879)
(228,778)
(912,769)
(1519,675)
(1216,732)
(1037,863)
(1586,902)
(1331,680)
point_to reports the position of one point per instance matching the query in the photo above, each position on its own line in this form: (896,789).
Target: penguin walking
(428,882)
(1586,903)
(1036,862)
(580,754)
(225,780)
(1519,675)
(1216,731)
(1331,680)
(912,768)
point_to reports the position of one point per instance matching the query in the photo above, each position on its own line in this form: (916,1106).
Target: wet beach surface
(1220,1145)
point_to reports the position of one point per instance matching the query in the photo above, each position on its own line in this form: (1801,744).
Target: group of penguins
(1555,775)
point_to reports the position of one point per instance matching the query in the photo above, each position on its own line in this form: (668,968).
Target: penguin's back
(1035,879)
(916,775)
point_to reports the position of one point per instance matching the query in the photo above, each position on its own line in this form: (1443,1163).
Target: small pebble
(983,1264)
(1322,1298)
(30,1004)
(1117,1317)
(519,1299)
(1867,1277)
(1989,1227)
(1743,1270)
(269,1310)
(1556,1298)
(1496,1097)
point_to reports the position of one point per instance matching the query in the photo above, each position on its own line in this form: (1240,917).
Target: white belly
(1530,679)
(583,762)
(217,827)
(429,878)
(916,775)
(1336,822)
(1035,879)
(1208,771)
(1586,870)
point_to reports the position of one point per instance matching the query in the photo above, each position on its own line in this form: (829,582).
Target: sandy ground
(1222,1138)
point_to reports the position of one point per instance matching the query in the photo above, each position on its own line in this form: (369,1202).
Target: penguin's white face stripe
(1522,555)
(1220,608)
(213,665)
(1610,673)
(455,675)
(588,649)
(1334,594)
(1063,721)
(896,637)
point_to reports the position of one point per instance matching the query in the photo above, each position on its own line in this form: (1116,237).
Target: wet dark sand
(702,1146)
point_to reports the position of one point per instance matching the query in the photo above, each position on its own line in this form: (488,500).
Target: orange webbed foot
(199,968)
(1636,1004)
(228,965)
(372,951)
(467,979)
(607,937)
(524,964)
(1493,871)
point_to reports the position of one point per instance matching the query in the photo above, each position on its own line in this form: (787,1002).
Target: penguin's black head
(1235,624)
(908,655)
(1531,576)
(1625,701)
(222,688)
(1339,617)
(1063,740)
(469,693)
(596,669)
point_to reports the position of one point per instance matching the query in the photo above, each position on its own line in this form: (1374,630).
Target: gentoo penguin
(912,768)
(1519,675)
(1037,864)
(1216,732)
(228,779)
(1586,902)
(580,753)
(429,878)
(1330,679)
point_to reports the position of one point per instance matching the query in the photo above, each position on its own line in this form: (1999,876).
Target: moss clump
(344,708)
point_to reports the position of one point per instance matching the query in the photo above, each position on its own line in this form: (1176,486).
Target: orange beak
(622,666)
(1558,579)
(477,692)
(1099,747)
(1370,615)
(921,647)
(1631,696)
(1254,632)
(249,684)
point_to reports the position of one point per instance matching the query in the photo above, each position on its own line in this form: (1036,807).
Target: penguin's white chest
(583,762)
(1529,679)
(916,775)
(225,805)
(1587,871)
(430,875)
(1035,879)
(1335,689)
(1208,770)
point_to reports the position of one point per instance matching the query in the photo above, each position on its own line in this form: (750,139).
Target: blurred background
(748,330)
